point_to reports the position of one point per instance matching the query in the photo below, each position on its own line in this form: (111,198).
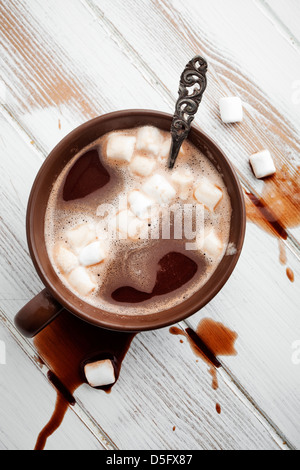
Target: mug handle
(37,313)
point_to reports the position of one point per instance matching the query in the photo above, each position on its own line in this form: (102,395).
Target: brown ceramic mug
(41,310)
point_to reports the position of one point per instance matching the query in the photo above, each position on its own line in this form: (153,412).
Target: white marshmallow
(129,225)
(92,254)
(120,147)
(208,194)
(262,164)
(158,188)
(231,109)
(140,204)
(184,181)
(81,281)
(81,236)
(211,244)
(142,166)
(165,149)
(65,259)
(149,139)
(100,373)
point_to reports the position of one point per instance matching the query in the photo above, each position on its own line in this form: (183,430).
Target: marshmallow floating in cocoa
(120,147)
(81,236)
(142,166)
(211,244)
(81,281)
(140,204)
(208,194)
(92,254)
(158,188)
(231,109)
(65,259)
(129,226)
(183,180)
(149,139)
(100,373)
(262,164)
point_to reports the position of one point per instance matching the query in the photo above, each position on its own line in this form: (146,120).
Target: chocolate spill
(210,340)
(290,274)
(200,348)
(215,383)
(61,388)
(281,194)
(283,261)
(282,253)
(265,217)
(218,338)
(65,345)
(174,330)
(278,207)
(57,417)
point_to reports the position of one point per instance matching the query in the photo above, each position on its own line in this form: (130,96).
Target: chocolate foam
(133,264)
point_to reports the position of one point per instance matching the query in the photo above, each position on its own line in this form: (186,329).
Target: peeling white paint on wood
(97,56)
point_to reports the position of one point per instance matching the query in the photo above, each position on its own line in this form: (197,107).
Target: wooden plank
(27,404)
(64,56)
(262,306)
(285,17)
(162,386)
(155,391)
(72,112)
(176,392)
(173,30)
(54,123)
(185,29)
(59,77)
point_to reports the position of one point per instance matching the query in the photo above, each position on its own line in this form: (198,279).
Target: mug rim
(128,323)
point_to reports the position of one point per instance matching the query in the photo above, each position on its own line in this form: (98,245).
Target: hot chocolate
(130,236)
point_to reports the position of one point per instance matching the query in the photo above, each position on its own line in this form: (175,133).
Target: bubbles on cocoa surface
(134,262)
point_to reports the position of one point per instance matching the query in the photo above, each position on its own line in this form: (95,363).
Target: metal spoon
(191,88)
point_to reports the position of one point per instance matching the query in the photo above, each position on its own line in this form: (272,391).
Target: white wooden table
(63,63)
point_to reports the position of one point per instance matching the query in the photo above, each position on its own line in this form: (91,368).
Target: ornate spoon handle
(191,88)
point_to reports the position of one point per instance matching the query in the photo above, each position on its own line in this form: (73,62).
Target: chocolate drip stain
(61,407)
(175,270)
(210,340)
(201,349)
(290,274)
(174,330)
(279,204)
(282,253)
(266,216)
(61,388)
(278,207)
(65,346)
(86,176)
